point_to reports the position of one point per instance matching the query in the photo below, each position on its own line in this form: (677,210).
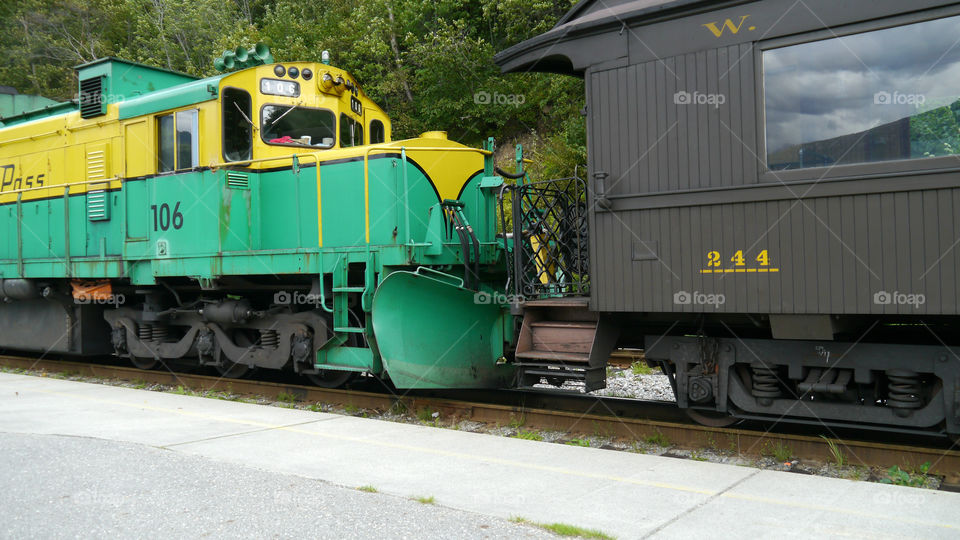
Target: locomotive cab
(279,109)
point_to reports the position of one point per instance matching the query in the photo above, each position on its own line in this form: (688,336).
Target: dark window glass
(282,124)
(351,132)
(165,147)
(188,142)
(377,132)
(883,95)
(237,127)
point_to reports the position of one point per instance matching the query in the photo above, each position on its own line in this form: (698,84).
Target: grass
(529,435)
(180,390)
(284,397)
(697,456)
(424,500)
(780,451)
(367,489)
(641,368)
(517,423)
(563,529)
(579,442)
(838,456)
(658,439)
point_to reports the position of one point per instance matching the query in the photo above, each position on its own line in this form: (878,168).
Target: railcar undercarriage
(886,386)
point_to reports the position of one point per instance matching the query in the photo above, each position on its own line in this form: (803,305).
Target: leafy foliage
(424,62)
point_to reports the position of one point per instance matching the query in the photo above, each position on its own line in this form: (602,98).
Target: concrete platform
(625,495)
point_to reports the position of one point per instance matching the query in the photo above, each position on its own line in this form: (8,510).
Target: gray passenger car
(773,199)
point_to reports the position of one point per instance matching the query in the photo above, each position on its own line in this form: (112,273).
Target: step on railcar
(772,197)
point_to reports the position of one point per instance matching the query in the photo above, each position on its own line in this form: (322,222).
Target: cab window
(178,144)
(297,126)
(237,125)
(351,132)
(377,132)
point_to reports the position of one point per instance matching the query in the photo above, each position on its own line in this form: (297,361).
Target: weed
(529,435)
(578,442)
(517,423)
(315,407)
(284,397)
(350,408)
(425,415)
(424,500)
(562,529)
(838,456)
(780,451)
(900,477)
(367,489)
(641,368)
(856,473)
(183,391)
(399,408)
(697,456)
(658,439)
(139,384)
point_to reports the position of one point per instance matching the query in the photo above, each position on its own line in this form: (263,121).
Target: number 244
(713,258)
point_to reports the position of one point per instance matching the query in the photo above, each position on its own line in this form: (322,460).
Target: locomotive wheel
(711,418)
(230,369)
(331,378)
(144,363)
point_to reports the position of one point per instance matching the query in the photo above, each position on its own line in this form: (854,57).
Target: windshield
(283,124)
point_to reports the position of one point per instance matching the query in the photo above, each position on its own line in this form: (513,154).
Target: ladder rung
(349,289)
(349,329)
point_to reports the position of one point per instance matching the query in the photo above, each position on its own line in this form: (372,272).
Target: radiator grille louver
(91,98)
(237,181)
(97,205)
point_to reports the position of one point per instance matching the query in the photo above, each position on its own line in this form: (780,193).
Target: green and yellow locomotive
(259,218)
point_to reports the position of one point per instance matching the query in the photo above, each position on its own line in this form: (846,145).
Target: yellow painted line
(319,211)
(366,192)
(739,270)
(504,461)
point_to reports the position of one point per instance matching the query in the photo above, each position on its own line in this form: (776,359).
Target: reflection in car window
(878,96)
(283,124)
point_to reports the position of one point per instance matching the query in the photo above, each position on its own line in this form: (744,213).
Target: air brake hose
(512,176)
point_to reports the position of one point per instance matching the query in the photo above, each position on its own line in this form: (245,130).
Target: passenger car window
(299,126)
(884,95)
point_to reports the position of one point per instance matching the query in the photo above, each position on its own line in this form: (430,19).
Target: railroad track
(576,414)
